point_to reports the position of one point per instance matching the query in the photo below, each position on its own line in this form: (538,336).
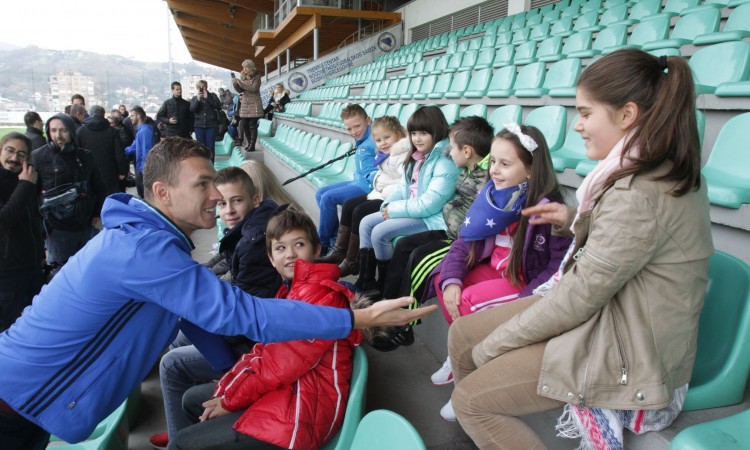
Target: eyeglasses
(22,154)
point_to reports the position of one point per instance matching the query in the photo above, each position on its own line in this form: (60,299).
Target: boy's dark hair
(137,110)
(31,117)
(475,132)
(174,83)
(75,97)
(353,109)
(162,162)
(236,175)
(288,220)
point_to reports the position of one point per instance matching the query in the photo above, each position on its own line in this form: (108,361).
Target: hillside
(22,67)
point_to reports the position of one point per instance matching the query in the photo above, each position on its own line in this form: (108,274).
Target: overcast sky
(130,28)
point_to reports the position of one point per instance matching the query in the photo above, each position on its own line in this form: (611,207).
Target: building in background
(64,84)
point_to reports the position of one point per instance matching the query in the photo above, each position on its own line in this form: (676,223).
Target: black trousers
(414,257)
(17,289)
(355,209)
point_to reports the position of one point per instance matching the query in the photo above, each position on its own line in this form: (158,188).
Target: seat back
(562,27)
(549,47)
(504,56)
(428,83)
(379,110)
(729,155)
(480,80)
(530,76)
(739,19)
(587,20)
(720,63)
(474,110)
(644,8)
(527,50)
(677,6)
(696,23)
(577,42)
(355,406)
(406,112)
(610,36)
(614,14)
(551,121)
(505,114)
(394,110)
(722,362)
(383,429)
(450,111)
(443,83)
(651,29)
(503,78)
(563,73)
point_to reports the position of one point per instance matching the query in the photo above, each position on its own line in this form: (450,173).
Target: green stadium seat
(654,28)
(401,88)
(549,49)
(225,149)
(520,35)
(533,19)
(614,14)
(551,121)
(488,41)
(519,21)
(666,52)
(505,114)
(571,11)
(504,56)
(578,42)
(530,77)
(394,110)
(591,5)
(560,80)
(587,22)
(110,434)
(728,433)
(419,69)
(485,58)
(563,27)
(474,110)
(609,37)
(383,429)
(469,60)
(441,86)
(366,91)
(689,27)
(572,151)
(735,3)
(458,85)
(379,110)
(450,111)
(428,83)
(355,406)
(552,16)
(676,7)
(391,91)
(539,32)
(727,170)
(406,112)
(413,88)
(736,28)
(333,172)
(502,81)
(454,62)
(265,127)
(525,53)
(503,38)
(609,4)
(720,63)
(640,10)
(369,108)
(478,84)
(441,64)
(733,89)
(722,361)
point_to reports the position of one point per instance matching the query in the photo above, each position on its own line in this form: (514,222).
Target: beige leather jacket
(623,320)
(251,105)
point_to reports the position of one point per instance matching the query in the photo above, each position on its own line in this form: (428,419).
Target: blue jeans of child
(328,198)
(207,137)
(378,234)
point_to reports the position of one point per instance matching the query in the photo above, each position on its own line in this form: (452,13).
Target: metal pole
(288,61)
(316,37)
(109,95)
(169,46)
(278,64)
(33,89)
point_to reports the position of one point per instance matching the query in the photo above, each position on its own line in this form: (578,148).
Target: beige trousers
(488,400)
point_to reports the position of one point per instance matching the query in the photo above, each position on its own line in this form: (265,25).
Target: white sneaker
(447,413)
(444,375)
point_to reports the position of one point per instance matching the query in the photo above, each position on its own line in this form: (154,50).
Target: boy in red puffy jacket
(288,394)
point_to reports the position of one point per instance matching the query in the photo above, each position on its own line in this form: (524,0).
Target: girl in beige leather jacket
(617,330)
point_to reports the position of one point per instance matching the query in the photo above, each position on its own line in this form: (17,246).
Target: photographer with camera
(204,106)
(72,190)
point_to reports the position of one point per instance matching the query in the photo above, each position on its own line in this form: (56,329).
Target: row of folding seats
(357,77)
(295,109)
(325,93)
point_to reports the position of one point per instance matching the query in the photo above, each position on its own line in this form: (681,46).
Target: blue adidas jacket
(92,334)
(364,161)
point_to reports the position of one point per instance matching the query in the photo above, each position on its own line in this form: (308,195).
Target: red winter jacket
(295,392)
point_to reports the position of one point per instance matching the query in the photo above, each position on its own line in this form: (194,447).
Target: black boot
(339,248)
(367,266)
(252,136)
(382,275)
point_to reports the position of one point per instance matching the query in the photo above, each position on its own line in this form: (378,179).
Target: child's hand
(213,409)
(553,213)
(452,300)
(384,211)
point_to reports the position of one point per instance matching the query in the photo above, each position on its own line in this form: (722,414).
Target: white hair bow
(527,141)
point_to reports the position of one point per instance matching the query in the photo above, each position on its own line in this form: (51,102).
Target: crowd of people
(593,306)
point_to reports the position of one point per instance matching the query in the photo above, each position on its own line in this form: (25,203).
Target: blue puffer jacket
(97,329)
(364,161)
(435,187)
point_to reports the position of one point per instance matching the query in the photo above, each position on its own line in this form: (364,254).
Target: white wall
(422,11)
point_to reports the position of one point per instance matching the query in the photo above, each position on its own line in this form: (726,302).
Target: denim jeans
(207,137)
(17,433)
(378,234)
(62,244)
(214,434)
(180,369)
(328,198)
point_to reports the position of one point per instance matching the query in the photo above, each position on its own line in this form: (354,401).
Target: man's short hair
(236,175)
(31,117)
(97,110)
(353,109)
(78,97)
(174,83)
(163,161)
(77,109)
(475,132)
(288,220)
(138,111)
(19,136)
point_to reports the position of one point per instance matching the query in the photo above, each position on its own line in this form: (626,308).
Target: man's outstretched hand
(390,313)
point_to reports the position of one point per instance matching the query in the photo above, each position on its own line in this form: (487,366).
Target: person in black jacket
(97,136)
(174,117)
(22,254)
(34,128)
(62,164)
(203,106)
(277,102)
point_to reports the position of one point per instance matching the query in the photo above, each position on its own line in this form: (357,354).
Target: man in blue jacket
(144,140)
(97,329)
